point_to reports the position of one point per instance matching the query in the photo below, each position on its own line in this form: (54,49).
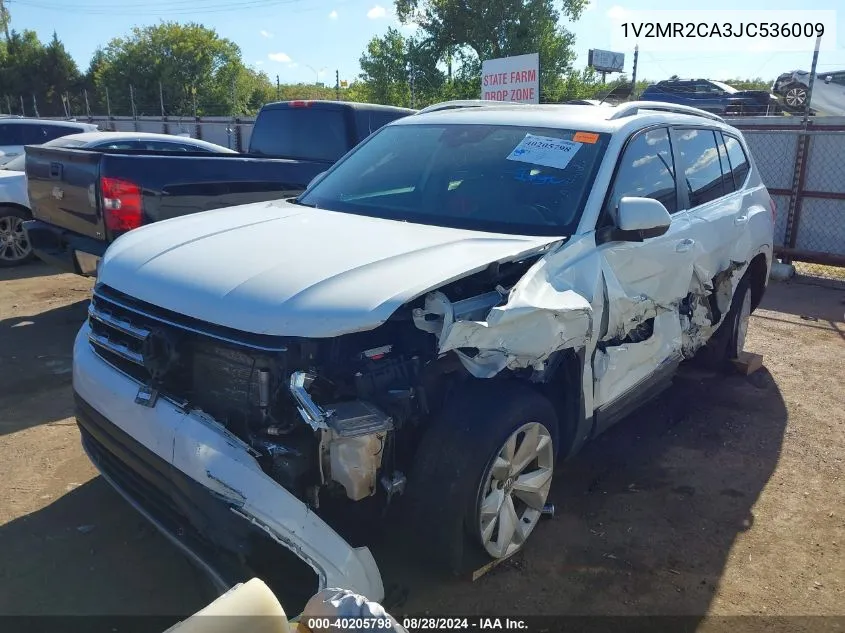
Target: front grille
(190,361)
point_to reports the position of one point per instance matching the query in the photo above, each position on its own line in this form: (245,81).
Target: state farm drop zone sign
(511,79)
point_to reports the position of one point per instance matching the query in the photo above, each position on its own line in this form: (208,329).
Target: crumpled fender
(536,321)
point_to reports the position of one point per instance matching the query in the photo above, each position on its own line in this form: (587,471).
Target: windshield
(502,179)
(729,89)
(18,163)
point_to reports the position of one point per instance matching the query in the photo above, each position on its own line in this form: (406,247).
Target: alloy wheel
(14,243)
(795,97)
(515,488)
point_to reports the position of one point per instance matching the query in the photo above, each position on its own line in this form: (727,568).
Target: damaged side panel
(523,326)
(633,307)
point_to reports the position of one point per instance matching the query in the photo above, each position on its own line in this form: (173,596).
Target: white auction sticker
(545,150)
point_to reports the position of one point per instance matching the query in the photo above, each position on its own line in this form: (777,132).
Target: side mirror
(641,218)
(316,179)
(828,79)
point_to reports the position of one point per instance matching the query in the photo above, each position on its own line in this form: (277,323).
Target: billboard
(511,78)
(606,61)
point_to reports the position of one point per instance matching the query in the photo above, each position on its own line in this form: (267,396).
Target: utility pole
(87,107)
(108,103)
(812,80)
(634,74)
(35,106)
(132,101)
(234,96)
(337,84)
(5,18)
(278,89)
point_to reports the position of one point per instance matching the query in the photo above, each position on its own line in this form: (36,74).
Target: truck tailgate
(62,185)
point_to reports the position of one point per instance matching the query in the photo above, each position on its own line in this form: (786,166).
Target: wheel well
(757,271)
(564,390)
(19,207)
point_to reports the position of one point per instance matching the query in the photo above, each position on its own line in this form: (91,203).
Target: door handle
(684,245)
(743,219)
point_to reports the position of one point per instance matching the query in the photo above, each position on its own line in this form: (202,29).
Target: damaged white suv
(465,297)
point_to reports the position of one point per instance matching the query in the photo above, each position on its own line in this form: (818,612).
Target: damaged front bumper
(183,469)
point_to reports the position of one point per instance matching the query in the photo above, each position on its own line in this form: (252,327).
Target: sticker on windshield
(544,150)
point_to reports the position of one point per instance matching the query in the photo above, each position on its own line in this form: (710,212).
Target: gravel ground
(723,497)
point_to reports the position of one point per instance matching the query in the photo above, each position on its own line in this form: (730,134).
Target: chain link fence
(803,166)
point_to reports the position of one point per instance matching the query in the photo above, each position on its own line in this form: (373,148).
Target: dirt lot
(725,496)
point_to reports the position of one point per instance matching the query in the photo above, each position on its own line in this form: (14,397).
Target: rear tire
(15,248)
(459,472)
(728,341)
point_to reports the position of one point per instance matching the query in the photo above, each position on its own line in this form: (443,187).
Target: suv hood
(286,270)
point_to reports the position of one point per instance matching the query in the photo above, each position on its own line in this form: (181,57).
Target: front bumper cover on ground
(200,485)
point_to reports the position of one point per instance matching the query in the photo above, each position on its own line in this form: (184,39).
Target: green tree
(36,74)
(498,28)
(399,71)
(197,70)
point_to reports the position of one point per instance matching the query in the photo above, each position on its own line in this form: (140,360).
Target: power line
(167,10)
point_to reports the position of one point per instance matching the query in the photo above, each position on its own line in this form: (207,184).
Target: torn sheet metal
(700,322)
(520,334)
(619,368)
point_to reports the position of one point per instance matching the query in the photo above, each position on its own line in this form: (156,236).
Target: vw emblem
(159,353)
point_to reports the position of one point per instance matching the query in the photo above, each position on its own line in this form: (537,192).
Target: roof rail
(633,107)
(469,103)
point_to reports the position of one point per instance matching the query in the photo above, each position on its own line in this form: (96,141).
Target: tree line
(189,70)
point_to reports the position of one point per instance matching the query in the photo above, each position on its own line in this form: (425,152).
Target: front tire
(795,96)
(482,473)
(15,248)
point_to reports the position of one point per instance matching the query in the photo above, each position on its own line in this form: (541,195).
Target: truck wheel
(483,473)
(729,340)
(14,243)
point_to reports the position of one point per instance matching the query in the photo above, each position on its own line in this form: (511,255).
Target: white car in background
(828,91)
(14,200)
(18,132)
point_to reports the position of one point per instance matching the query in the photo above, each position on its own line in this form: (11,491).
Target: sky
(308,40)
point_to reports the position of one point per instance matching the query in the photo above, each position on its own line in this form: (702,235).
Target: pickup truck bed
(66,186)
(82,200)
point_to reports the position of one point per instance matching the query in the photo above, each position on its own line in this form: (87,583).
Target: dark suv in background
(713,96)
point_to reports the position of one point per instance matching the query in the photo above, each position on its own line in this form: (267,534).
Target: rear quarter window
(738,160)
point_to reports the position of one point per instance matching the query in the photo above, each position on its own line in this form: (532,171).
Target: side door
(11,141)
(714,203)
(639,341)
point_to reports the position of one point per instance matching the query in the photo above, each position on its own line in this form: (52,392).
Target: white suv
(465,297)
(17,132)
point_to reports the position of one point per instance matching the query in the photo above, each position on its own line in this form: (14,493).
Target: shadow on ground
(36,355)
(805,300)
(646,515)
(89,553)
(30,270)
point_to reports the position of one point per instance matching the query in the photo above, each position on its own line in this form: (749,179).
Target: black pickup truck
(82,200)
